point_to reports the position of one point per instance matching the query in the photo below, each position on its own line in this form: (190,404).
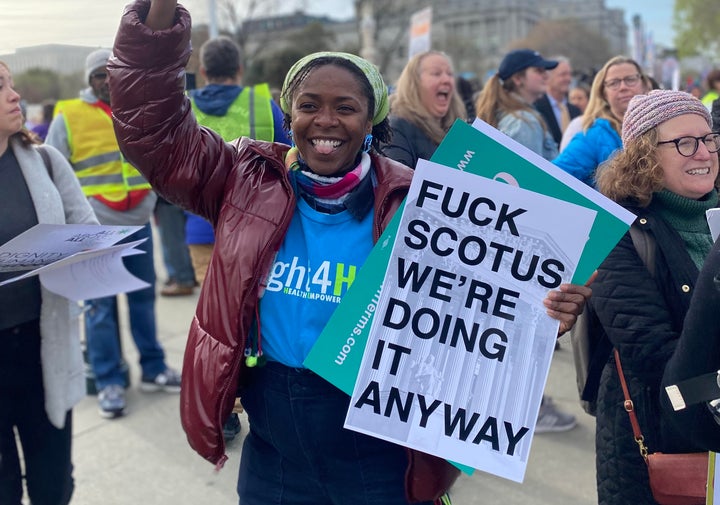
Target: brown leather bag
(675,479)
(427,477)
(678,479)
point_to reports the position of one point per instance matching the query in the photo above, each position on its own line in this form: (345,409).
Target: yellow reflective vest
(95,155)
(250,115)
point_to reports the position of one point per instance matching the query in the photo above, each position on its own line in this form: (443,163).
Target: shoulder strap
(630,409)
(644,243)
(46,160)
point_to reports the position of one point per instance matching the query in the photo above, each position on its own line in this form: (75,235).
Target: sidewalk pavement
(144,458)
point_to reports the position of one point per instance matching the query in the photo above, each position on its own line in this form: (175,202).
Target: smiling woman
(292,226)
(666,174)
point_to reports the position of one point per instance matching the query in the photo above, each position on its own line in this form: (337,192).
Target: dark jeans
(297,451)
(45,449)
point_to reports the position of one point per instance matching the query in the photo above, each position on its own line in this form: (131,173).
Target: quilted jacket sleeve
(633,311)
(156,130)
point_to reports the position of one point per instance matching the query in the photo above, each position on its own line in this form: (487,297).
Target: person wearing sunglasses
(667,175)
(614,85)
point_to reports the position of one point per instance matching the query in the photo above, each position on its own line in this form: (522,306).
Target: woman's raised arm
(161,15)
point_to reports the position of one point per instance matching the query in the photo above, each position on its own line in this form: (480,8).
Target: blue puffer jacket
(586,151)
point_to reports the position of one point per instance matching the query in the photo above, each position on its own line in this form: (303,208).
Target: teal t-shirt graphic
(315,266)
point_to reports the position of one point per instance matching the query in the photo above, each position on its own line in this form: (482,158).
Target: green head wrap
(371,72)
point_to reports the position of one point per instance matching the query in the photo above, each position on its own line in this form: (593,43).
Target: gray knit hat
(96,59)
(645,112)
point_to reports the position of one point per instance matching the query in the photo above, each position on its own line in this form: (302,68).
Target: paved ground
(144,458)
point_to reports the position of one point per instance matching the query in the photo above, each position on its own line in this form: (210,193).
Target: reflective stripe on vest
(250,115)
(95,155)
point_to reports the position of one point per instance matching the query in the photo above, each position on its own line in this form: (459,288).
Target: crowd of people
(238,181)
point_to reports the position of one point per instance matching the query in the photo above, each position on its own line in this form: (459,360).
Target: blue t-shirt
(316,264)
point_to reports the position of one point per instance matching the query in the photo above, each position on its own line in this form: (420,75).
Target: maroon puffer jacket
(244,191)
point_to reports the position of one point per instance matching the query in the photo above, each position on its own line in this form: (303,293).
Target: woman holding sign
(41,366)
(666,174)
(292,227)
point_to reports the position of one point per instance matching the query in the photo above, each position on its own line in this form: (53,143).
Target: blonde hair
(634,173)
(405,102)
(24,135)
(598,106)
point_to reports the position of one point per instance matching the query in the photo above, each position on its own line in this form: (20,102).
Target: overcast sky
(94,22)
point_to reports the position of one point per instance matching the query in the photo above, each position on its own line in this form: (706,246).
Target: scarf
(325,193)
(687,217)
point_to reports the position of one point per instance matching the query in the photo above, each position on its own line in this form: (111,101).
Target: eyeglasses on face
(688,146)
(630,81)
(99,75)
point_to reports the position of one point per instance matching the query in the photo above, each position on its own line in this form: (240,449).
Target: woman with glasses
(615,84)
(506,101)
(666,174)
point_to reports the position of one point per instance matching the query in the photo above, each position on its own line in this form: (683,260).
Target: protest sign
(460,349)
(482,150)
(77,261)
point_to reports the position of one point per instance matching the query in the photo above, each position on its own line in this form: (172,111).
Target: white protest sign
(76,261)
(420,26)
(460,348)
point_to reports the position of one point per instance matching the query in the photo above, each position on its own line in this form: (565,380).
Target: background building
(475,33)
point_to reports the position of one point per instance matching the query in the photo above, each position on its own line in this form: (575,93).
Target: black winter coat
(643,317)
(697,353)
(408,144)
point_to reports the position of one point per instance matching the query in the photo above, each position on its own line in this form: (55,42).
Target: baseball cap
(520,59)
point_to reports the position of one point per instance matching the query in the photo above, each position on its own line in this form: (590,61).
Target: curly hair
(380,132)
(634,174)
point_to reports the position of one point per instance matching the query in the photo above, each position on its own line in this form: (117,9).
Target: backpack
(591,346)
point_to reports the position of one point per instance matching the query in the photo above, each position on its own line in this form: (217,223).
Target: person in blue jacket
(615,84)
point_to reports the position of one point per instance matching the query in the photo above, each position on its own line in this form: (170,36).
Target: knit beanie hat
(96,59)
(645,112)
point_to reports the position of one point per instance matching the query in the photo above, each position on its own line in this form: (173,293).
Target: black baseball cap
(520,59)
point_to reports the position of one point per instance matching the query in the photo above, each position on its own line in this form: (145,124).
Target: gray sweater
(57,200)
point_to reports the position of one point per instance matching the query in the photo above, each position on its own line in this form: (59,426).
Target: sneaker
(167,381)
(232,427)
(550,419)
(111,401)
(175,289)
